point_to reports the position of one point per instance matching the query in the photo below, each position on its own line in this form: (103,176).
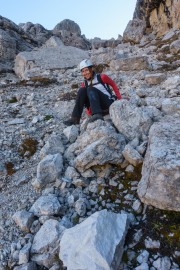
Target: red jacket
(107,80)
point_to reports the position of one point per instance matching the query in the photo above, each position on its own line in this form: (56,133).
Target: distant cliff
(159,15)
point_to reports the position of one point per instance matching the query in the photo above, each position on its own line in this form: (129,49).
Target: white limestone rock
(159,185)
(88,245)
(98,145)
(131,121)
(71,133)
(131,155)
(162,263)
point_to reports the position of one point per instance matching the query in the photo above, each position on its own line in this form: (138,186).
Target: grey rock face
(36,31)
(159,185)
(134,31)
(30,65)
(68,25)
(158,14)
(7,45)
(130,120)
(88,245)
(45,246)
(70,34)
(98,145)
(12,40)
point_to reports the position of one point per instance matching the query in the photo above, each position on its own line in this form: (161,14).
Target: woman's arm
(106,79)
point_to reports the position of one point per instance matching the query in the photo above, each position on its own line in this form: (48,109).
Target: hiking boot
(105,112)
(95,117)
(72,121)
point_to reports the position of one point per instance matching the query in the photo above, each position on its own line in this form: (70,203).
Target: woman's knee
(82,92)
(91,92)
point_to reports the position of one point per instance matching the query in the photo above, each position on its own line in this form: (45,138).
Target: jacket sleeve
(108,80)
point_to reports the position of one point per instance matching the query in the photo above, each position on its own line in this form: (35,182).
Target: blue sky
(97,18)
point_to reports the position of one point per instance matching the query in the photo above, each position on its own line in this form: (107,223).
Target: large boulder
(98,145)
(88,245)
(159,185)
(134,31)
(130,120)
(40,62)
(130,63)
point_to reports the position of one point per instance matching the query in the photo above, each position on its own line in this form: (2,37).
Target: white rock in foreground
(159,185)
(96,243)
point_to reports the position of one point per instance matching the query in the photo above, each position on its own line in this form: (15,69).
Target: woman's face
(87,73)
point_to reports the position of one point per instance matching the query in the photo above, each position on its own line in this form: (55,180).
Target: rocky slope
(57,182)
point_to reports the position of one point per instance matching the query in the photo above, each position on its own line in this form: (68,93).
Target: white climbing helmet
(85,63)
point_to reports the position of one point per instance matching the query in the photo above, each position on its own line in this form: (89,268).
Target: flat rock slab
(160,182)
(48,59)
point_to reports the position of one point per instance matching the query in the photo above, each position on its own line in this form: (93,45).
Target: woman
(95,94)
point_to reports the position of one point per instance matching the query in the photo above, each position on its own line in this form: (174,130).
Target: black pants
(91,97)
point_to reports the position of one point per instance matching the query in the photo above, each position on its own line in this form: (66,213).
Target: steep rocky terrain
(57,182)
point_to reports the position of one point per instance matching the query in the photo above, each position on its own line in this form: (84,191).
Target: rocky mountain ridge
(57,183)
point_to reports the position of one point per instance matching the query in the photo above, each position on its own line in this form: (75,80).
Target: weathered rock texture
(160,15)
(70,34)
(88,245)
(98,145)
(36,31)
(12,40)
(134,31)
(131,121)
(45,246)
(160,182)
(39,63)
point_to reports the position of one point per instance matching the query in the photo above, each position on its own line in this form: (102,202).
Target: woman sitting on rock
(95,94)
